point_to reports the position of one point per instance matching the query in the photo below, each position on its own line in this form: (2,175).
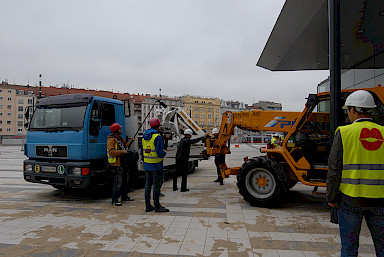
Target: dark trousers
(181,169)
(219,159)
(120,182)
(350,220)
(154,178)
(219,177)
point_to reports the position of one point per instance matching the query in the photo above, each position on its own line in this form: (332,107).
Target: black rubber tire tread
(275,168)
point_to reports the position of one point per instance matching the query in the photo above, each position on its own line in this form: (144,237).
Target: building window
(20,130)
(1,98)
(203,109)
(203,116)
(1,122)
(209,123)
(217,117)
(1,129)
(209,116)
(188,108)
(9,91)
(20,92)
(196,109)
(202,123)
(1,106)
(9,114)
(196,116)
(8,122)
(217,110)
(20,108)
(8,129)
(9,106)
(1,114)
(31,93)
(209,109)
(20,101)
(9,98)
(216,124)
(20,123)
(29,101)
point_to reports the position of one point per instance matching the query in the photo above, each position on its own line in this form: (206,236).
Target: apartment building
(266,106)
(205,111)
(234,106)
(13,101)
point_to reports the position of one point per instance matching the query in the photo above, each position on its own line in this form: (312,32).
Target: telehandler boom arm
(254,120)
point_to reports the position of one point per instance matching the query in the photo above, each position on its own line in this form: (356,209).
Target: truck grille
(53,151)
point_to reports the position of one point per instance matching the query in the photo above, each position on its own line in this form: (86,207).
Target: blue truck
(67,136)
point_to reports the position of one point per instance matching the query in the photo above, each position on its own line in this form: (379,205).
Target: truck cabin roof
(70,99)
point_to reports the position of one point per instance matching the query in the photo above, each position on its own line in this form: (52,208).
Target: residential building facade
(205,111)
(13,102)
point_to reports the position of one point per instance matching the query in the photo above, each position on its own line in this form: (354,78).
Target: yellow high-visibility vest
(363,160)
(112,159)
(149,151)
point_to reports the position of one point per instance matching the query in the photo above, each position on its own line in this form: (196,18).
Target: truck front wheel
(261,181)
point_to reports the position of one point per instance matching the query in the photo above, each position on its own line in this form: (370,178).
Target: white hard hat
(360,98)
(215,130)
(188,132)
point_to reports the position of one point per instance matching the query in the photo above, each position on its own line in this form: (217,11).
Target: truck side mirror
(26,114)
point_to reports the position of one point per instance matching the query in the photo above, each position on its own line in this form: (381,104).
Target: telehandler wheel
(261,181)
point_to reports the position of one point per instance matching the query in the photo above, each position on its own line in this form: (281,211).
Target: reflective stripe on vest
(112,159)
(363,160)
(149,151)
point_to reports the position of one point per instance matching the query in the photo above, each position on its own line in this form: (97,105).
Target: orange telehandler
(303,155)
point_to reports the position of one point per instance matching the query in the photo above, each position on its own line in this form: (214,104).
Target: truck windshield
(58,118)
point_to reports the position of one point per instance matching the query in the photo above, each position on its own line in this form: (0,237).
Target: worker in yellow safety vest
(355,180)
(117,150)
(275,141)
(152,152)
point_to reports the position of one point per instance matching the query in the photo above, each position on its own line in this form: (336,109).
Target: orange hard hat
(114,127)
(154,122)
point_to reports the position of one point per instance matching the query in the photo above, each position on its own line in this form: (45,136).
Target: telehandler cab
(303,155)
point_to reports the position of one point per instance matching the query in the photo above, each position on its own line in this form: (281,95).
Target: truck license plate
(48,169)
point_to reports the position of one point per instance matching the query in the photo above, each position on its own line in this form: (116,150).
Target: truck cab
(66,140)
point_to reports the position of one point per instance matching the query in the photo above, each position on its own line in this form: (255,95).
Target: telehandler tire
(262,181)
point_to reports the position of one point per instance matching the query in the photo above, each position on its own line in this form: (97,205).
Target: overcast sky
(199,47)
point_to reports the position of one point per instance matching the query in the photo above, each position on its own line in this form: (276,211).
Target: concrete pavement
(210,220)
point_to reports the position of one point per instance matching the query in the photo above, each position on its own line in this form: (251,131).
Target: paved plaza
(209,220)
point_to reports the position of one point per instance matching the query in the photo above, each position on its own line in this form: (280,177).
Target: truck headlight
(76,171)
(28,167)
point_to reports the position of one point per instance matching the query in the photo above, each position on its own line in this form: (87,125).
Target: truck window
(63,118)
(104,113)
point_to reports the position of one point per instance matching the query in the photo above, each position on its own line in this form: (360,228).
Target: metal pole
(40,87)
(334,64)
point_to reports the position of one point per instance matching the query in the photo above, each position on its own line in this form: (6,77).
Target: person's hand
(206,134)
(333,205)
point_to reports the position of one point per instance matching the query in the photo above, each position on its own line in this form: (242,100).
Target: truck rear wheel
(261,181)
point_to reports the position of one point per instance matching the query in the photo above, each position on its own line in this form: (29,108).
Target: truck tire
(262,181)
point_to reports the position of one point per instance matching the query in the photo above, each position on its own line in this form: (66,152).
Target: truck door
(101,118)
